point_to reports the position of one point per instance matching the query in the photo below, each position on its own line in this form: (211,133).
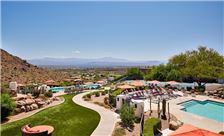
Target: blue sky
(129,30)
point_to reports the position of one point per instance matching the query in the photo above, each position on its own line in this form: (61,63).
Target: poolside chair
(27,133)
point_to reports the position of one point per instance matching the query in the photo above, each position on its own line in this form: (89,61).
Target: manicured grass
(68,119)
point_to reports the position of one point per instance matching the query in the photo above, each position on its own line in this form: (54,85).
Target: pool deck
(190,118)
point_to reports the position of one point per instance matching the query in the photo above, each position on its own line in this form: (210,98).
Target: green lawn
(68,119)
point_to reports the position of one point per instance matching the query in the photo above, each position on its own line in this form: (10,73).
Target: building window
(122,101)
(117,99)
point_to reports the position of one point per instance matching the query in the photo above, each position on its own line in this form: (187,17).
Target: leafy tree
(201,65)
(173,75)
(164,73)
(127,115)
(158,73)
(7,105)
(134,72)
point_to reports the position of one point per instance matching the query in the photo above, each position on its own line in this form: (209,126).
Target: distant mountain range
(99,62)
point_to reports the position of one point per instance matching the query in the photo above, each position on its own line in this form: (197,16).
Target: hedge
(117,92)
(151,125)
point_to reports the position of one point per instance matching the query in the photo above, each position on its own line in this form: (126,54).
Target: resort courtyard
(111,68)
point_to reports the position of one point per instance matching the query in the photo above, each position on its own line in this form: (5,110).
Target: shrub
(103,93)
(119,132)
(221,132)
(137,119)
(36,93)
(89,96)
(7,106)
(189,88)
(151,125)
(102,104)
(67,91)
(127,115)
(112,100)
(48,94)
(117,92)
(106,101)
(86,99)
(200,88)
(43,97)
(97,94)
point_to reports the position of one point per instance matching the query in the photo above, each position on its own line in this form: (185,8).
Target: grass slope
(68,119)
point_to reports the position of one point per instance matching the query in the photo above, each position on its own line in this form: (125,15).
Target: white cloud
(76,52)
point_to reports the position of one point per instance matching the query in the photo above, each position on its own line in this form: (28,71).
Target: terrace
(146,97)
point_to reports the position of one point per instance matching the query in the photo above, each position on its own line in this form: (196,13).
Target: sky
(127,30)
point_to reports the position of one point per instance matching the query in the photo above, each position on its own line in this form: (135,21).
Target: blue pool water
(57,89)
(210,109)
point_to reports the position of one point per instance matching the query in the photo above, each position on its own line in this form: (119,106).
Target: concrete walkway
(108,118)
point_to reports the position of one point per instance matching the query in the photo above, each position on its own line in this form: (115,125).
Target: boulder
(23,109)
(34,106)
(31,108)
(57,99)
(20,98)
(29,96)
(38,100)
(48,101)
(17,110)
(41,104)
(20,103)
(27,108)
(29,101)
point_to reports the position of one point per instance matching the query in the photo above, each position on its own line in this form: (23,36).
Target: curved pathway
(108,118)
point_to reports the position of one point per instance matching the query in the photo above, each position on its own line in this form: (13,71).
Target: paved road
(108,118)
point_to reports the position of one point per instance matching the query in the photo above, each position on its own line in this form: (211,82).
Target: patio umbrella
(172,82)
(137,83)
(189,130)
(88,83)
(154,82)
(125,86)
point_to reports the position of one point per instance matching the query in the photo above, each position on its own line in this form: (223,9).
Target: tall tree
(201,65)
(164,73)
(134,72)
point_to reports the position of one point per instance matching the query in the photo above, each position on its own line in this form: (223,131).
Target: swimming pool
(210,109)
(57,89)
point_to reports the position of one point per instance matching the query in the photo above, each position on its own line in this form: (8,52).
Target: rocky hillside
(15,69)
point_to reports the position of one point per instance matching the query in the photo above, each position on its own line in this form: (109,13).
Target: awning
(126,87)
(137,83)
(172,82)
(154,82)
(189,130)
